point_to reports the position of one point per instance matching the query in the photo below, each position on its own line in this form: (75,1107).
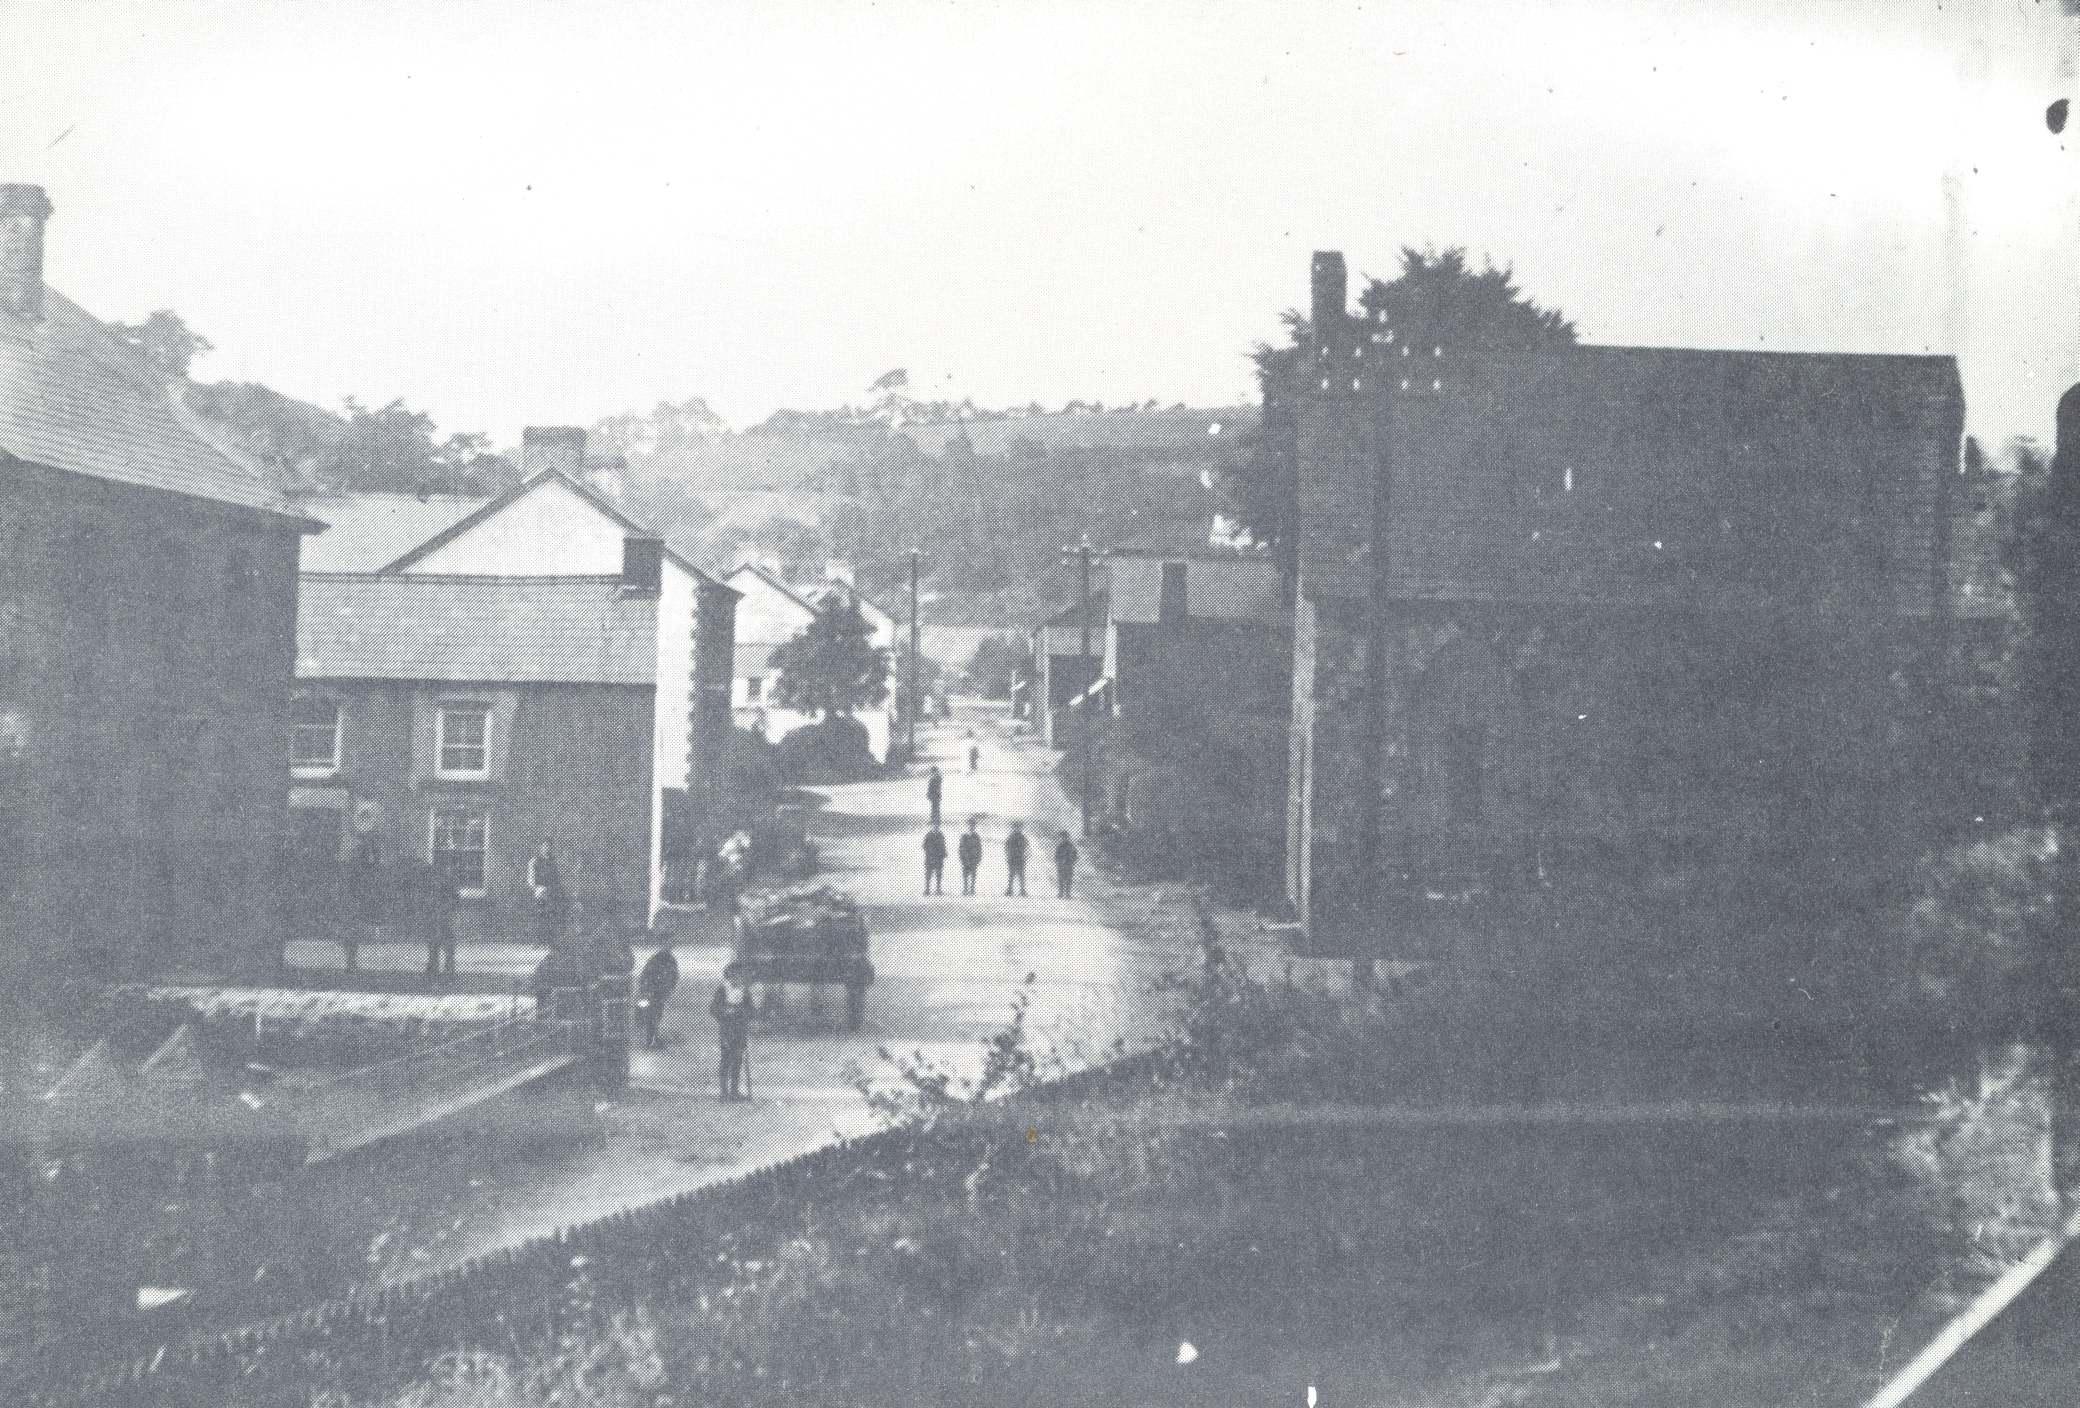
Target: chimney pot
(642,565)
(557,447)
(23,211)
(1331,288)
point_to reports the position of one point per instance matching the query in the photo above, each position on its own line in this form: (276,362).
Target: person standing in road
(974,756)
(731,1009)
(653,988)
(934,789)
(935,859)
(1064,866)
(366,897)
(971,856)
(551,902)
(437,900)
(1015,859)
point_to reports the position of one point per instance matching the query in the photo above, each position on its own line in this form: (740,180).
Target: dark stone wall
(1695,778)
(1194,759)
(147,642)
(570,764)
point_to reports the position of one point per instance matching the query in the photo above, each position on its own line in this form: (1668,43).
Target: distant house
(554,533)
(769,615)
(1654,624)
(147,630)
(1062,666)
(1197,664)
(464,719)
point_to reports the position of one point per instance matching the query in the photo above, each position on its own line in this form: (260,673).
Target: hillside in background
(990,498)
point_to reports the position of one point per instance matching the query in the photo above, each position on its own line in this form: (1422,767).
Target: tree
(165,340)
(1437,300)
(833,666)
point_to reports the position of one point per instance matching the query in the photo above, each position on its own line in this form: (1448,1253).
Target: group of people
(730,1007)
(422,901)
(1017,845)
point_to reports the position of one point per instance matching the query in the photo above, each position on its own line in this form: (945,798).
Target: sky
(525,213)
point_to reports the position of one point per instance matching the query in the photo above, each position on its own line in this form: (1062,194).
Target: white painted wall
(548,532)
(678,607)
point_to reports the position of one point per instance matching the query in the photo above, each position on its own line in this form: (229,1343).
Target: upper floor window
(314,736)
(464,743)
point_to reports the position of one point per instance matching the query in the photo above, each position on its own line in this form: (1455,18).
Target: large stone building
(1654,627)
(147,633)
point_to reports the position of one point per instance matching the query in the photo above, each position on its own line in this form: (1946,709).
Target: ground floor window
(458,847)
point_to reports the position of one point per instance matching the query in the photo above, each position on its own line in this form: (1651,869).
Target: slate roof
(366,532)
(1643,476)
(525,630)
(74,398)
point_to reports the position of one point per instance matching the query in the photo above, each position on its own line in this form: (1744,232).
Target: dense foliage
(1437,300)
(833,666)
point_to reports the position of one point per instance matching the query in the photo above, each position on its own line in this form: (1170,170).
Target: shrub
(834,749)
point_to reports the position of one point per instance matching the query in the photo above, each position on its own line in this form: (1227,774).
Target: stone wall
(146,645)
(570,764)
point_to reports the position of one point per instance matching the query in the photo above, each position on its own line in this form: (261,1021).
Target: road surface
(949,969)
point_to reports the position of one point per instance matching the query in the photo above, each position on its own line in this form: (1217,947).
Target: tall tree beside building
(1438,300)
(833,666)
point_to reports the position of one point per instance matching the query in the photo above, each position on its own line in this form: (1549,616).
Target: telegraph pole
(915,553)
(1084,673)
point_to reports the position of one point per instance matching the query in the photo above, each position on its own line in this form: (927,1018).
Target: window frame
(482,817)
(442,709)
(298,768)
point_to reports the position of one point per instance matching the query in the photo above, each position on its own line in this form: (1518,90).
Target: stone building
(147,632)
(1068,657)
(463,720)
(557,528)
(1656,628)
(1196,669)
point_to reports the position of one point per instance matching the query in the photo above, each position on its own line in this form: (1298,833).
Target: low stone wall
(289,1027)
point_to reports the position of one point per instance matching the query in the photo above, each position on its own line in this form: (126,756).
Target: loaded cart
(810,934)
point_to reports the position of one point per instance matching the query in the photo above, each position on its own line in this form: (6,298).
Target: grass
(1052,1247)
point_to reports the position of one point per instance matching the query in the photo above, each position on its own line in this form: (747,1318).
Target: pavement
(949,969)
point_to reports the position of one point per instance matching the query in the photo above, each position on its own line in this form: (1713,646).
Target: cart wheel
(855,1006)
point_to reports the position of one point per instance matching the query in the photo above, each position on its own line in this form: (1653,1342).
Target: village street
(948,971)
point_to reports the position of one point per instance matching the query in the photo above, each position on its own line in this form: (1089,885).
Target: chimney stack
(607,473)
(1331,288)
(23,209)
(642,565)
(557,447)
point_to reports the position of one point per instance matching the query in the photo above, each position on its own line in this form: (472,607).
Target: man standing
(1064,866)
(1015,859)
(731,1009)
(934,788)
(437,898)
(971,857)
(550,900)
(653,986)
(364,895)
(935,859)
